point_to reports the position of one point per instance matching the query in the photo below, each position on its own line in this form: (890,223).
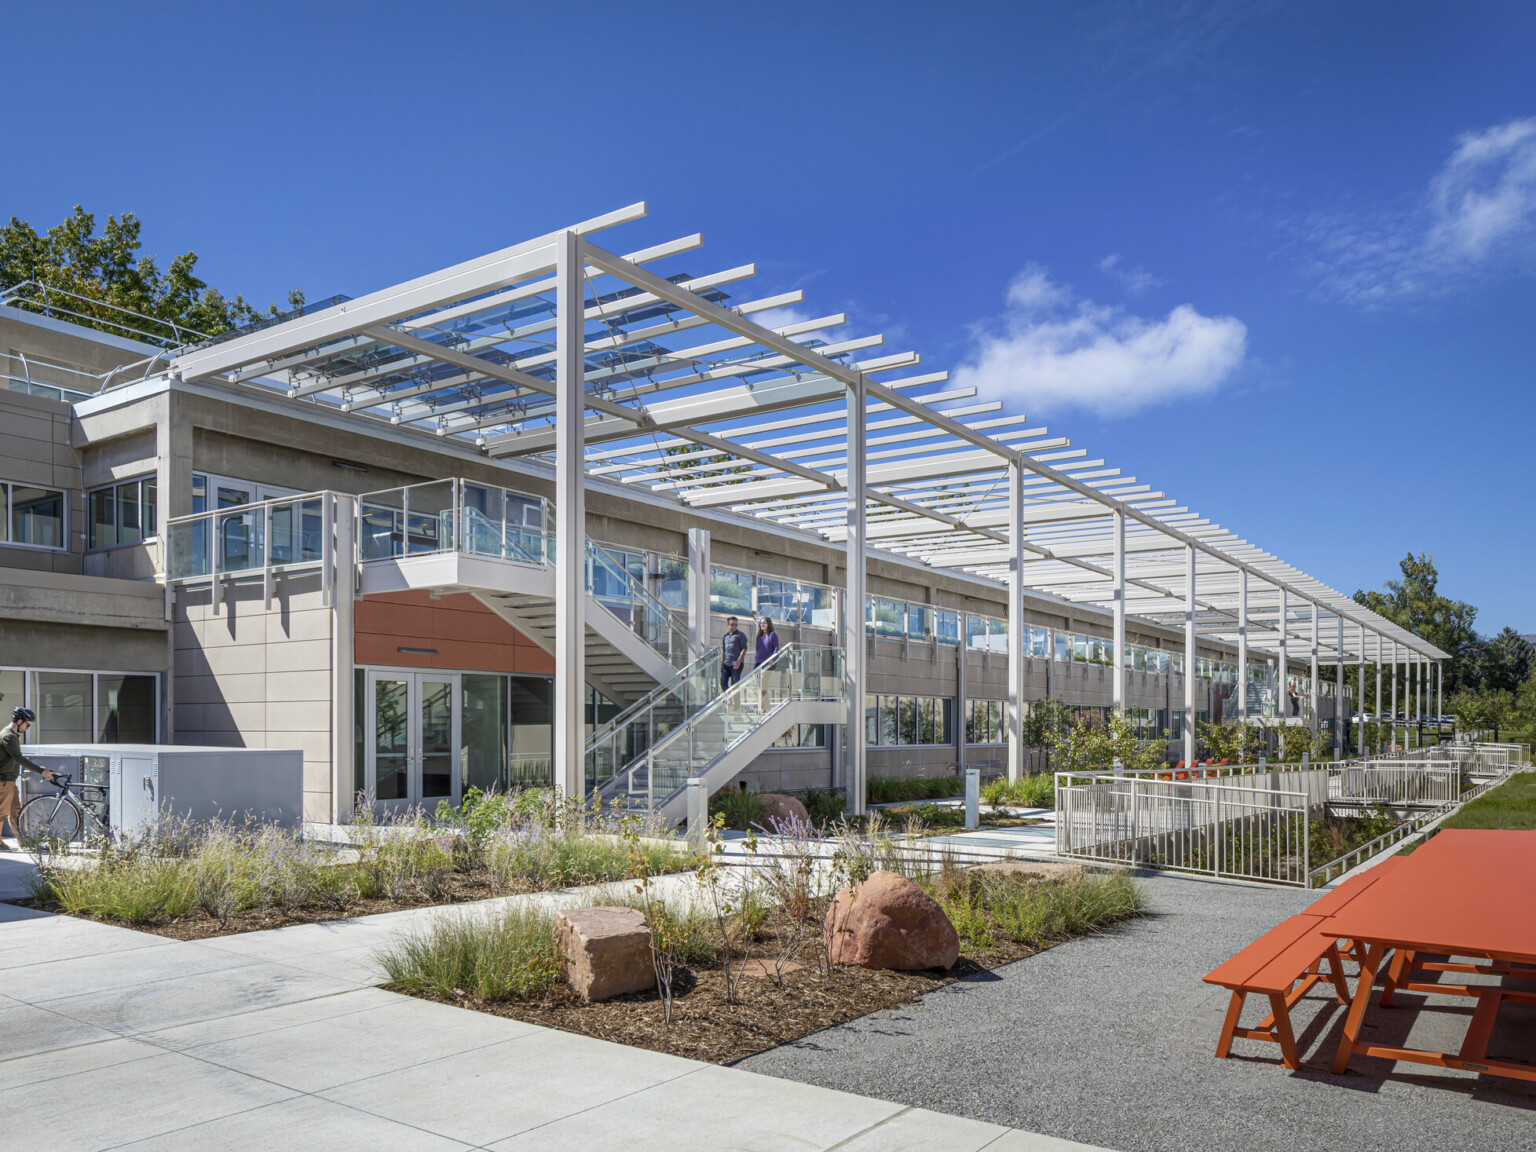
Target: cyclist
(12,761)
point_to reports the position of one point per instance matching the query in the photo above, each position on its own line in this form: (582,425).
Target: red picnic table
(1468,894)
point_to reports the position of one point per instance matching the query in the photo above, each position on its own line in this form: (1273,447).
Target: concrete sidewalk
(111,1038)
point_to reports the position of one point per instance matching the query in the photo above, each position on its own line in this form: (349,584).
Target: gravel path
(1109,1040)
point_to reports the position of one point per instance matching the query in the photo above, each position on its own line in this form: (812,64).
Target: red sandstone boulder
(607,951)
(782,808)
(889,922)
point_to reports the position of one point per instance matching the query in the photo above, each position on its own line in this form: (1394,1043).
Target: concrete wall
(257,677)
(35,450)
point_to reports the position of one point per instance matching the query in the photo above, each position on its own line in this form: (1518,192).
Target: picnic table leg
(1368,966)
(1401,963)
(1474,1045)
(1336,967)
(1289,1056)
(1234,1010)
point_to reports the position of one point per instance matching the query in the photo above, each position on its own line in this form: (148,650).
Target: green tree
(107,269)
(1415,603)
(1506,661)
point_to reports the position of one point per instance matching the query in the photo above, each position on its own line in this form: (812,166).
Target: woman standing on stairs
(770,683)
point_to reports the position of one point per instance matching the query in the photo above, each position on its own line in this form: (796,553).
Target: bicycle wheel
(49,818)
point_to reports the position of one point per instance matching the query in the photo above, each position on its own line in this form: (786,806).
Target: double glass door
(414,729)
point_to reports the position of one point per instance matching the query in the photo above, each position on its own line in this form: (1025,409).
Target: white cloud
(1477,215)
(1050,351)
(1133,280)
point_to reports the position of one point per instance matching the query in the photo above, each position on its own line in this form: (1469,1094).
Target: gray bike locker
(202,783)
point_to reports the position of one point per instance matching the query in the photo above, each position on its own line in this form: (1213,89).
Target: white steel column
(570,519)
(1189,653)
(1282,689)
(1017,630)
(1117,672)
(698,591)
(1439,693)
(1242,646)
(855,650)
(1314,686)
(1381,738)
(1360,691)
(1340,717)
(1392,744)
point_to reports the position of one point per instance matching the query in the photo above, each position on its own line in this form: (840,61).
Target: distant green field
(1510,805)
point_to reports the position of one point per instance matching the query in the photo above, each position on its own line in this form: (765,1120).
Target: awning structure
(719,402)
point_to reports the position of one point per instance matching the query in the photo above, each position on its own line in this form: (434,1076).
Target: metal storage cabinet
(202,783)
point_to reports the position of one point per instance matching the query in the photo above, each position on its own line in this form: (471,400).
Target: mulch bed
(706,1026)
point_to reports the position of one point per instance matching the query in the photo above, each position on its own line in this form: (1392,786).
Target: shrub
(822,806)
(511,954)
(537,859)
(740,809)
(988,907)
(895,789)
(1029,792)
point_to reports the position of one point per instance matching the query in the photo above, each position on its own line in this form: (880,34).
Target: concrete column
(698,591)
(1242,645)
(1117,675)
(1018,631)
(570,519)
(855,650)
(1189,652)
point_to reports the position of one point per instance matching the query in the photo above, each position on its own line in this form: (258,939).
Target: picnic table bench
(1292,951)
(1283,964)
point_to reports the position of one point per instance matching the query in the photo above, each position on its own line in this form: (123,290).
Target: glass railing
(793,673)
(454,515)
(616,746)
(614,587)
(249,537)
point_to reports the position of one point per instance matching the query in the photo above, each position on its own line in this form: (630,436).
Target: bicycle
(60,818)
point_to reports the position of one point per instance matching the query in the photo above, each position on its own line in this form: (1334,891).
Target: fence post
(972,798)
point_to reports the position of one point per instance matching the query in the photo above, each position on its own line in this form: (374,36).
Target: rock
(1029,871)
(777,806)
(889,922)
(608,951)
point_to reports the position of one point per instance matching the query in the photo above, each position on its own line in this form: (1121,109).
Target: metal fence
(1395,782)
(1249,826)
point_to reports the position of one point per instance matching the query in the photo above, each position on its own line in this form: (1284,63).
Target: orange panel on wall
(456,631)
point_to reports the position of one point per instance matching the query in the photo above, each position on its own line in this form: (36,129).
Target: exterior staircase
(717,739)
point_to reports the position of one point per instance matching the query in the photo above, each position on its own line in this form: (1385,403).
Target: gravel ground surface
(1108,1040)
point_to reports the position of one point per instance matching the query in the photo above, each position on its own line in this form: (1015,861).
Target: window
(908,721)
(673,585)
(946,627)
(730,592)
(1039,643)
(122,513)
(802,736)
(919,622)
(35,516)
(888,617)
(1063,647)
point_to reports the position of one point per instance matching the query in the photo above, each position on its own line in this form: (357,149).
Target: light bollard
(973,798)
(698,810)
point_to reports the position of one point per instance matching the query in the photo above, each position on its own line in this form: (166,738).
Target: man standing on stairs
(733,654)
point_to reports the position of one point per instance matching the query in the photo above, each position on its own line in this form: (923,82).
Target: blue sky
(1278,260)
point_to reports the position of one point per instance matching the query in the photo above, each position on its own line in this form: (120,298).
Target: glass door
(414,738)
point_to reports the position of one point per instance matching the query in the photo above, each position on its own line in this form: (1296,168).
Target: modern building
(485,528)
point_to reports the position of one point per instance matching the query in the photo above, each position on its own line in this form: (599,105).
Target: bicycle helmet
(24,714)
